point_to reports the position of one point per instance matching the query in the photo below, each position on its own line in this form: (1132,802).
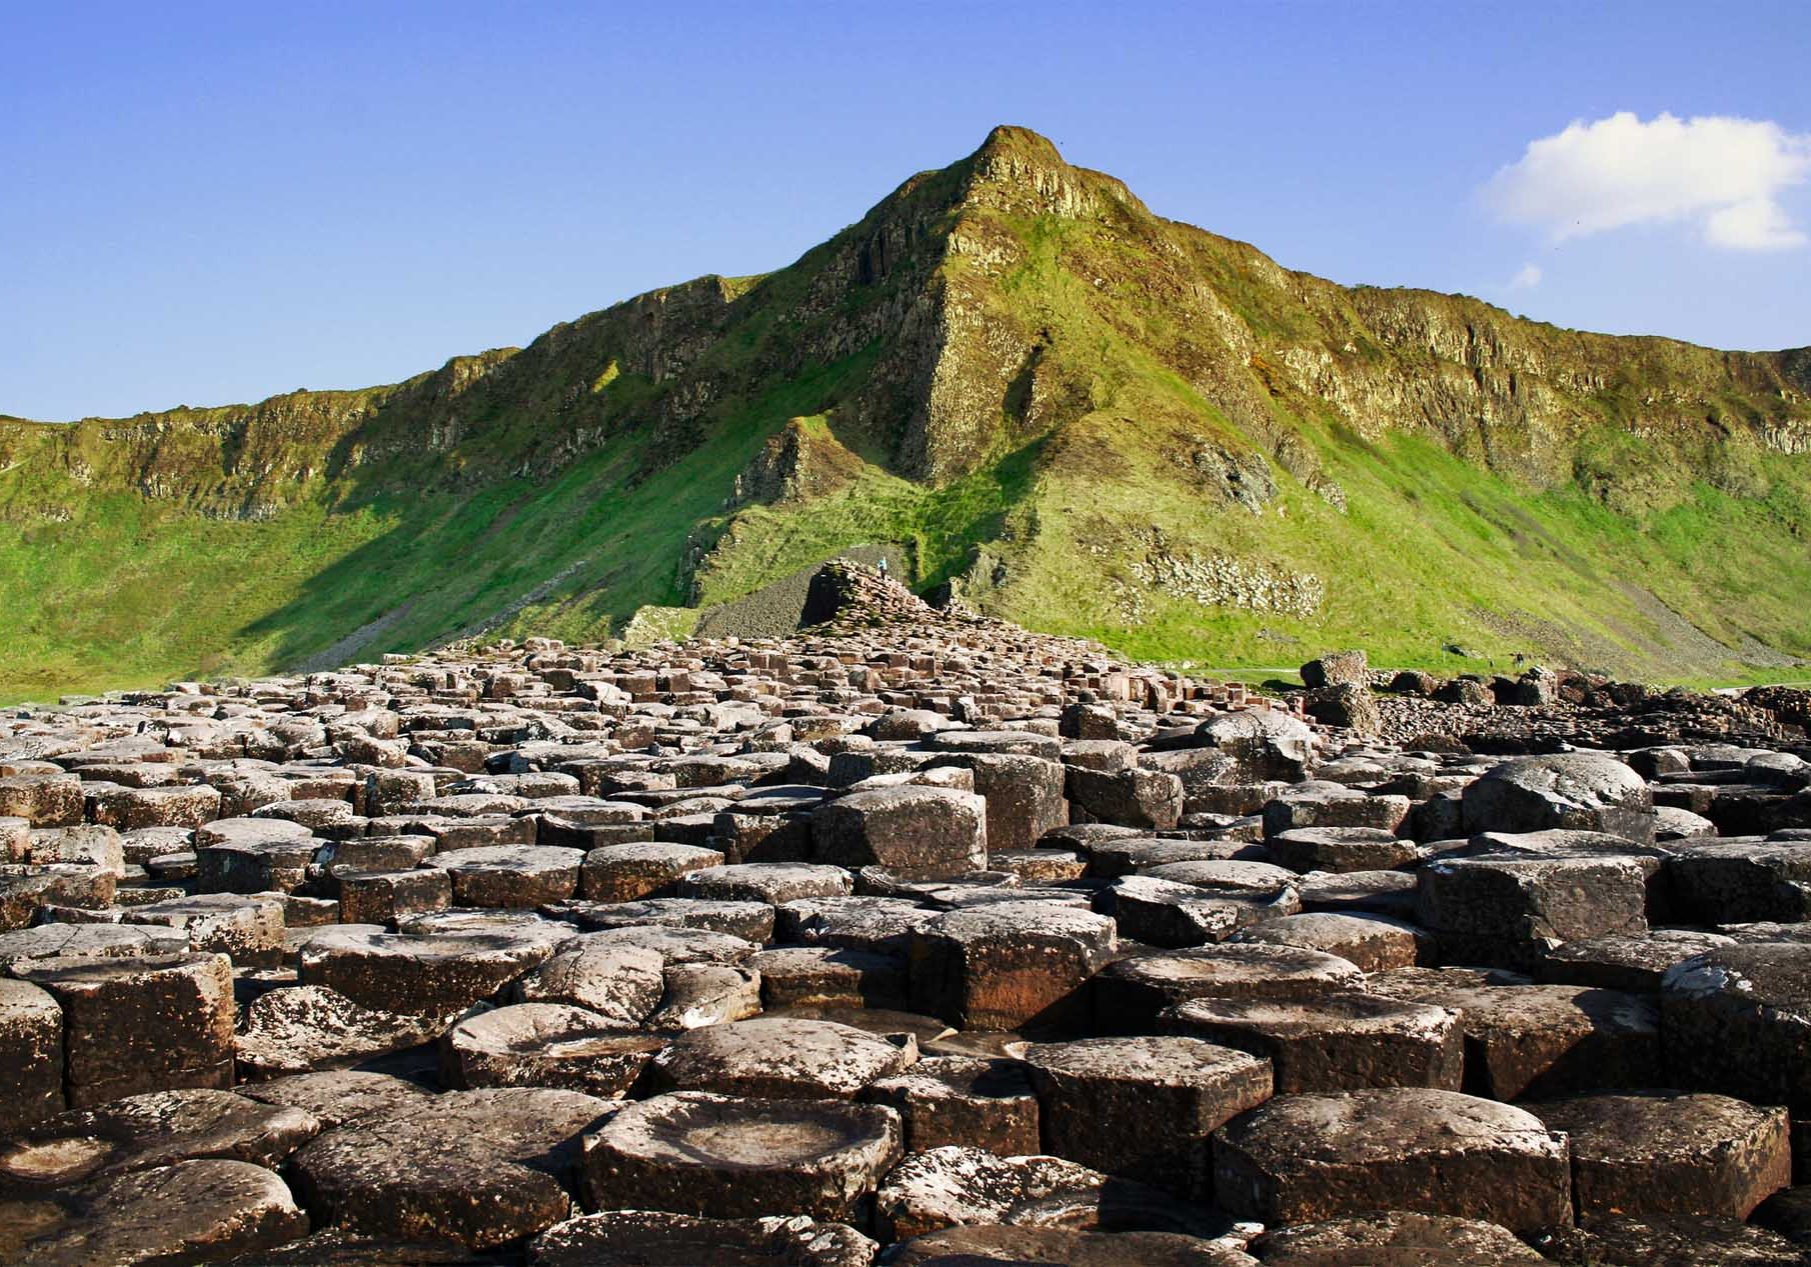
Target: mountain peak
(1021,143)
(1022,171)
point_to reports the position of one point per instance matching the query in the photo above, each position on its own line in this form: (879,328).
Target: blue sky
(204,204)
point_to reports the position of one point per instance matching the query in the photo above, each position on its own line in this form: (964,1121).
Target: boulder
(1584,790)
(1266,744)
(1337,668)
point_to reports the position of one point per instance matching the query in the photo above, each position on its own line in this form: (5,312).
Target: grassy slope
(1432,550)
(115,589)
(127,592)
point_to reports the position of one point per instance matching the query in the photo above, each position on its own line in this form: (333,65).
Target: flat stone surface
(28,946)
(724,1157)
(433,974)
(950,1186)
(545,1045)
(511,875)
(1675,1242)
(965,1101)
(337,1097)
(619,984)
(1336,1042)
(627,872)
(1374,943)
(1340,849)
(1305,1158)
(1396,1239)
(652,1238)
(1667,1154)
(772,882)
(784,1059)
(479,1167)
(1625,961)
(145,1131)
(1143,1107)
(972,1246)
(1130,992)
(193,1211)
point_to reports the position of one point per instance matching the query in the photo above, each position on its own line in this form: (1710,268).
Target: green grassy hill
(1079,415)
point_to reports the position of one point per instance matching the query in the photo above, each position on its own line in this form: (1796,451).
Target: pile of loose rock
(1542,710)
(911,939)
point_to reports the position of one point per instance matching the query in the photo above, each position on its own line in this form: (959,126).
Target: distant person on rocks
(881,567)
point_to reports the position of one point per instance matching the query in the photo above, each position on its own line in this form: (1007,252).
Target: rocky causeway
(909,938)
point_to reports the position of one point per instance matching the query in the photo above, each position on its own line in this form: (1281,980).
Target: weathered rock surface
(193,1211)
(479,1167)
(1305,1158)
(703,938)
(650,1238)
(723,1157)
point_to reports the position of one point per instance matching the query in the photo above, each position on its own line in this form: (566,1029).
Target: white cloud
(1723,173)
(1526,278)
(1760,224)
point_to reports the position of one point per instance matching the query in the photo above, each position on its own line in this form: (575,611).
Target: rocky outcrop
(1010,310)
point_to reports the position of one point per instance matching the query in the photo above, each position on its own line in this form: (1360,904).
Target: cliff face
(1079,413)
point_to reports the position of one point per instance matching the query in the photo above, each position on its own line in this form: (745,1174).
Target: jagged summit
(1010,140)
(1039,394)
